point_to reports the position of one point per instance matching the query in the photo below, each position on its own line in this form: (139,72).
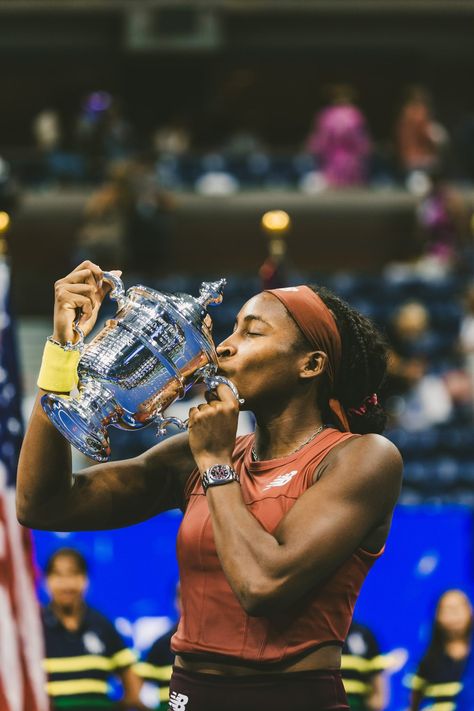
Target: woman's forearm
(249,555)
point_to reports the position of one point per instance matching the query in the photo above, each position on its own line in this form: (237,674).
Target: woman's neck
(285,432)
(457,647)
(70,615)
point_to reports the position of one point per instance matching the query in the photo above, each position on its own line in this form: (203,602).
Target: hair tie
(369,401)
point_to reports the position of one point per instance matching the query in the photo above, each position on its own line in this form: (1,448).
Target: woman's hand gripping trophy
(78,298)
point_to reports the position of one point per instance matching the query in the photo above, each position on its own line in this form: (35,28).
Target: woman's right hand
(83,289)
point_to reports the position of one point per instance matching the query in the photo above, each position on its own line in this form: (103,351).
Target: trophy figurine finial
(211,292)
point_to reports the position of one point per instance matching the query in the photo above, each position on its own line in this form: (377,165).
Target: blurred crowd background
(271,142)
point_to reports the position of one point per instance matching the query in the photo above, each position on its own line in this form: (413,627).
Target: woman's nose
(225,349)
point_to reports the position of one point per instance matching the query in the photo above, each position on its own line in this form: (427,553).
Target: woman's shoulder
(370,443)
(372,458)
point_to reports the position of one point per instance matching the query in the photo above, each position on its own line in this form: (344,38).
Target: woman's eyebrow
(252,317)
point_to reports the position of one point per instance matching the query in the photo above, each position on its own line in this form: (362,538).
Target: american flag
(21,642)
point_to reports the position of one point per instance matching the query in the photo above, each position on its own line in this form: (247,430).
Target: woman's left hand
(213,428)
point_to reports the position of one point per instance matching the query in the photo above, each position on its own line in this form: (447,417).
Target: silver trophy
(150,354)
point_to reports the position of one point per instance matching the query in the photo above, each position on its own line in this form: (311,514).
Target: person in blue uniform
(445,669)
(362,667)
(157,667)
(83,648)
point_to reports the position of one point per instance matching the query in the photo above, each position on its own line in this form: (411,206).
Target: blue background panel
(134,572)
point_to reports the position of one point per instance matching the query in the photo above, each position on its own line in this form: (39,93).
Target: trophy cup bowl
(150,354)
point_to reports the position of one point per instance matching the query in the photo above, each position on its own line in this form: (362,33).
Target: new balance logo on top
(178,702)
(281,480)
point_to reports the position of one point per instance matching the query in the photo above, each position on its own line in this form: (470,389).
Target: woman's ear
(313,364)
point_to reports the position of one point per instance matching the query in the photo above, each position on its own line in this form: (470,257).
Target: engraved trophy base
(83,420)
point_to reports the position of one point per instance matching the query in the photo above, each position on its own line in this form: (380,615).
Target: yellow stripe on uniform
(150,671)
(123,658)
(384,661)
(352,686)
(415,682)
(444,706)
(76,686)
(86,662)
(366,666)
(450,689)
(360,664)
(164,693)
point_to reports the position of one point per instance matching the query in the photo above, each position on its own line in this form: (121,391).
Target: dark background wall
(256,68)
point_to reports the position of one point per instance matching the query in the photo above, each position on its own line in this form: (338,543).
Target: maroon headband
(317,323)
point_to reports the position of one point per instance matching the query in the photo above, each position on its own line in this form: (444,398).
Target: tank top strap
(315,453)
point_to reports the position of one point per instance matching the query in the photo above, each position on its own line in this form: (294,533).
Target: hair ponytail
(362,370)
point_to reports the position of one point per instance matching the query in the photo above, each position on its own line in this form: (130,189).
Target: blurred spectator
(9,189)
(415,396)
(158,664)
(103,237)
(242,143)
(173,139)
(82,647)
(127,220)
(103,135)
(466,335)
(340,140)
(464,145)
(444,221)
(441,674)
(362,670)
(410,342)
(149,220)
(59,165)
(420,139)
(274,270)
(47,130)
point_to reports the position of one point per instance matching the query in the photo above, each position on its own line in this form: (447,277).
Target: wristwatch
(217,475)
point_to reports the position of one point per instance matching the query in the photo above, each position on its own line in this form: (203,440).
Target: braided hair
(362,370)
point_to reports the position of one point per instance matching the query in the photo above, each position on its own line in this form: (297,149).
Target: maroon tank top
(213,621)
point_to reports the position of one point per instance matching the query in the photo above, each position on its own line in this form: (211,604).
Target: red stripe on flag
(21,639)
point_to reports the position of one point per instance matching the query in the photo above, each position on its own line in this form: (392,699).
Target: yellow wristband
(58,371)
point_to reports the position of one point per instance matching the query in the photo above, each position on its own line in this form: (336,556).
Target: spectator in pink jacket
(340,140)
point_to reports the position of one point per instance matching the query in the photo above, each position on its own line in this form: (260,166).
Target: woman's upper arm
(357,493)
(122,493)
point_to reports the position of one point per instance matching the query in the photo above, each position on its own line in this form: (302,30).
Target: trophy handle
(163,422)
(212,381)
(79,344)
(208,376)
(118,289)
(117,293)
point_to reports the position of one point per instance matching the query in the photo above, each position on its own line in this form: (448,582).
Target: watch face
(219,473)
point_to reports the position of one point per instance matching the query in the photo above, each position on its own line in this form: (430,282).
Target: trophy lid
(181,307)
(195,309)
